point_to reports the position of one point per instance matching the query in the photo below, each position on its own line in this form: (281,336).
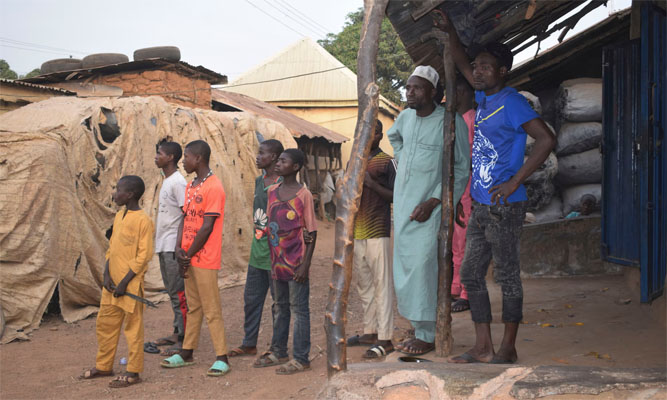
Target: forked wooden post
(348,192)
(443,327)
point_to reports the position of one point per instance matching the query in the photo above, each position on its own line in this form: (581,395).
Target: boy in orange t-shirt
(198,251)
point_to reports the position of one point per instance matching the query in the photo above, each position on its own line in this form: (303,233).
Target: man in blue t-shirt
(502,121)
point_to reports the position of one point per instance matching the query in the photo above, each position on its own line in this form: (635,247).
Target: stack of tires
(171,53)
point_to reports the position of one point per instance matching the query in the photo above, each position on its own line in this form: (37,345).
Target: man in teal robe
(417,139)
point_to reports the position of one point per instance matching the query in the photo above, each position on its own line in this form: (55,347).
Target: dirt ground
(573,321)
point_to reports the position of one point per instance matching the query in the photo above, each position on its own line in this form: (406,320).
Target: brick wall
(173,87)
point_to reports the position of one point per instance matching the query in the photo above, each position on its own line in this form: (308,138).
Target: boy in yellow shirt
(130,249)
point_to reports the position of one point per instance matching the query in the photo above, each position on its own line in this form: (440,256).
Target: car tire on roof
(171,53)
(60,64)
(102,59)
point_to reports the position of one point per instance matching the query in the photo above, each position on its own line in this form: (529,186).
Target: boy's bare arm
(122,286)
(202,235)
(179,253)
(301,272)
(107,278)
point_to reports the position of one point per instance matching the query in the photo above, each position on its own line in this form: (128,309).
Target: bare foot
(95,373)
(505,356)
(472,356)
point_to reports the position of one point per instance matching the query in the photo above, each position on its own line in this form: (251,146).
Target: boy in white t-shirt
(170,212)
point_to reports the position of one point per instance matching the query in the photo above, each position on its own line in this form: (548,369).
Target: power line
(40,46)
(305,16)
(36,50)
(275,19)
(283,11)
(302,17)
(284,78)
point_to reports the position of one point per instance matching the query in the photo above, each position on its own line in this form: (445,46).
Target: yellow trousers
(109,321)
(201,290)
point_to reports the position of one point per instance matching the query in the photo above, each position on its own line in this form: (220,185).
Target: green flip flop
(219,368)
(175,361)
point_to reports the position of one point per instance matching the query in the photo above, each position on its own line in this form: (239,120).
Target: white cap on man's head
(427,72)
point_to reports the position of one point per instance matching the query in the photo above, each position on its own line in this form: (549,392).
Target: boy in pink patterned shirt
(292,233)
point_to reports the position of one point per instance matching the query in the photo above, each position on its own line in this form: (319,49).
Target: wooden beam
(443,326)
(349,191)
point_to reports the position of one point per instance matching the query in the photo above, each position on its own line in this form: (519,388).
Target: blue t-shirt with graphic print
(499,143)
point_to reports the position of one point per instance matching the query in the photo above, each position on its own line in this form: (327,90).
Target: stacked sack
(540,185)
(574,169)
(576,162)
(578,141)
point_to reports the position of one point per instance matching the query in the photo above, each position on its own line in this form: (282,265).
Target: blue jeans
(257,283)
(292,297)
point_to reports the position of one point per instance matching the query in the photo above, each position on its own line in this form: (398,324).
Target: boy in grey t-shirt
(172,197)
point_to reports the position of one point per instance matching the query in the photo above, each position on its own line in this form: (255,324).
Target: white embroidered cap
(427,72)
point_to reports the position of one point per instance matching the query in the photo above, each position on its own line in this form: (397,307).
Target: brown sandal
(242,351)
(268,359)
(122,381)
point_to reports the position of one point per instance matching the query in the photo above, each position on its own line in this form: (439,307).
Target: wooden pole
(443,327)
(348,193)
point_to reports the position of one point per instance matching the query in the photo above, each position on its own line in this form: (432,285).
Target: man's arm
(423,210)
(455,46)
(395,137)
(386,193)
(301,272)
(544,143)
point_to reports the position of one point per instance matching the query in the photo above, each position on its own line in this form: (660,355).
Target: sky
(226,36)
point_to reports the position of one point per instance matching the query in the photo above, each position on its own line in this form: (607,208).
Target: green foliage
(32,74)
(393,66)
(6,72)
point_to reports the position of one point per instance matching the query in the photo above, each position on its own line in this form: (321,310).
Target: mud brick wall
(172,86)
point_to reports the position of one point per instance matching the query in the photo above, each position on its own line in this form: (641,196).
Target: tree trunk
(443,327)
(348,193)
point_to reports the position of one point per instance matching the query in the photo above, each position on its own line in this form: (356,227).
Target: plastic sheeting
(59,162)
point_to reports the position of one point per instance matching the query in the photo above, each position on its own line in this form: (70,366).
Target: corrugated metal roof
(297,126)
(562,62)
(304,71)
(34,86)
(213,78)
(513,22)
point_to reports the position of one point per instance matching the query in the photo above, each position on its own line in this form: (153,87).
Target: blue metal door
(634,209)
(620,184)
(653,181)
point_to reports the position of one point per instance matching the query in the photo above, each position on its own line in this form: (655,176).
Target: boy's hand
(107,283)
(460,215)
(183,261)
(120,289)
(301,273)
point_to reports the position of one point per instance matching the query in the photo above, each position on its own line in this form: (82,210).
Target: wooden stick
(348,194)
(443,327)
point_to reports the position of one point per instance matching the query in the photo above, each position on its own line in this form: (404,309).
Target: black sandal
(460,305)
